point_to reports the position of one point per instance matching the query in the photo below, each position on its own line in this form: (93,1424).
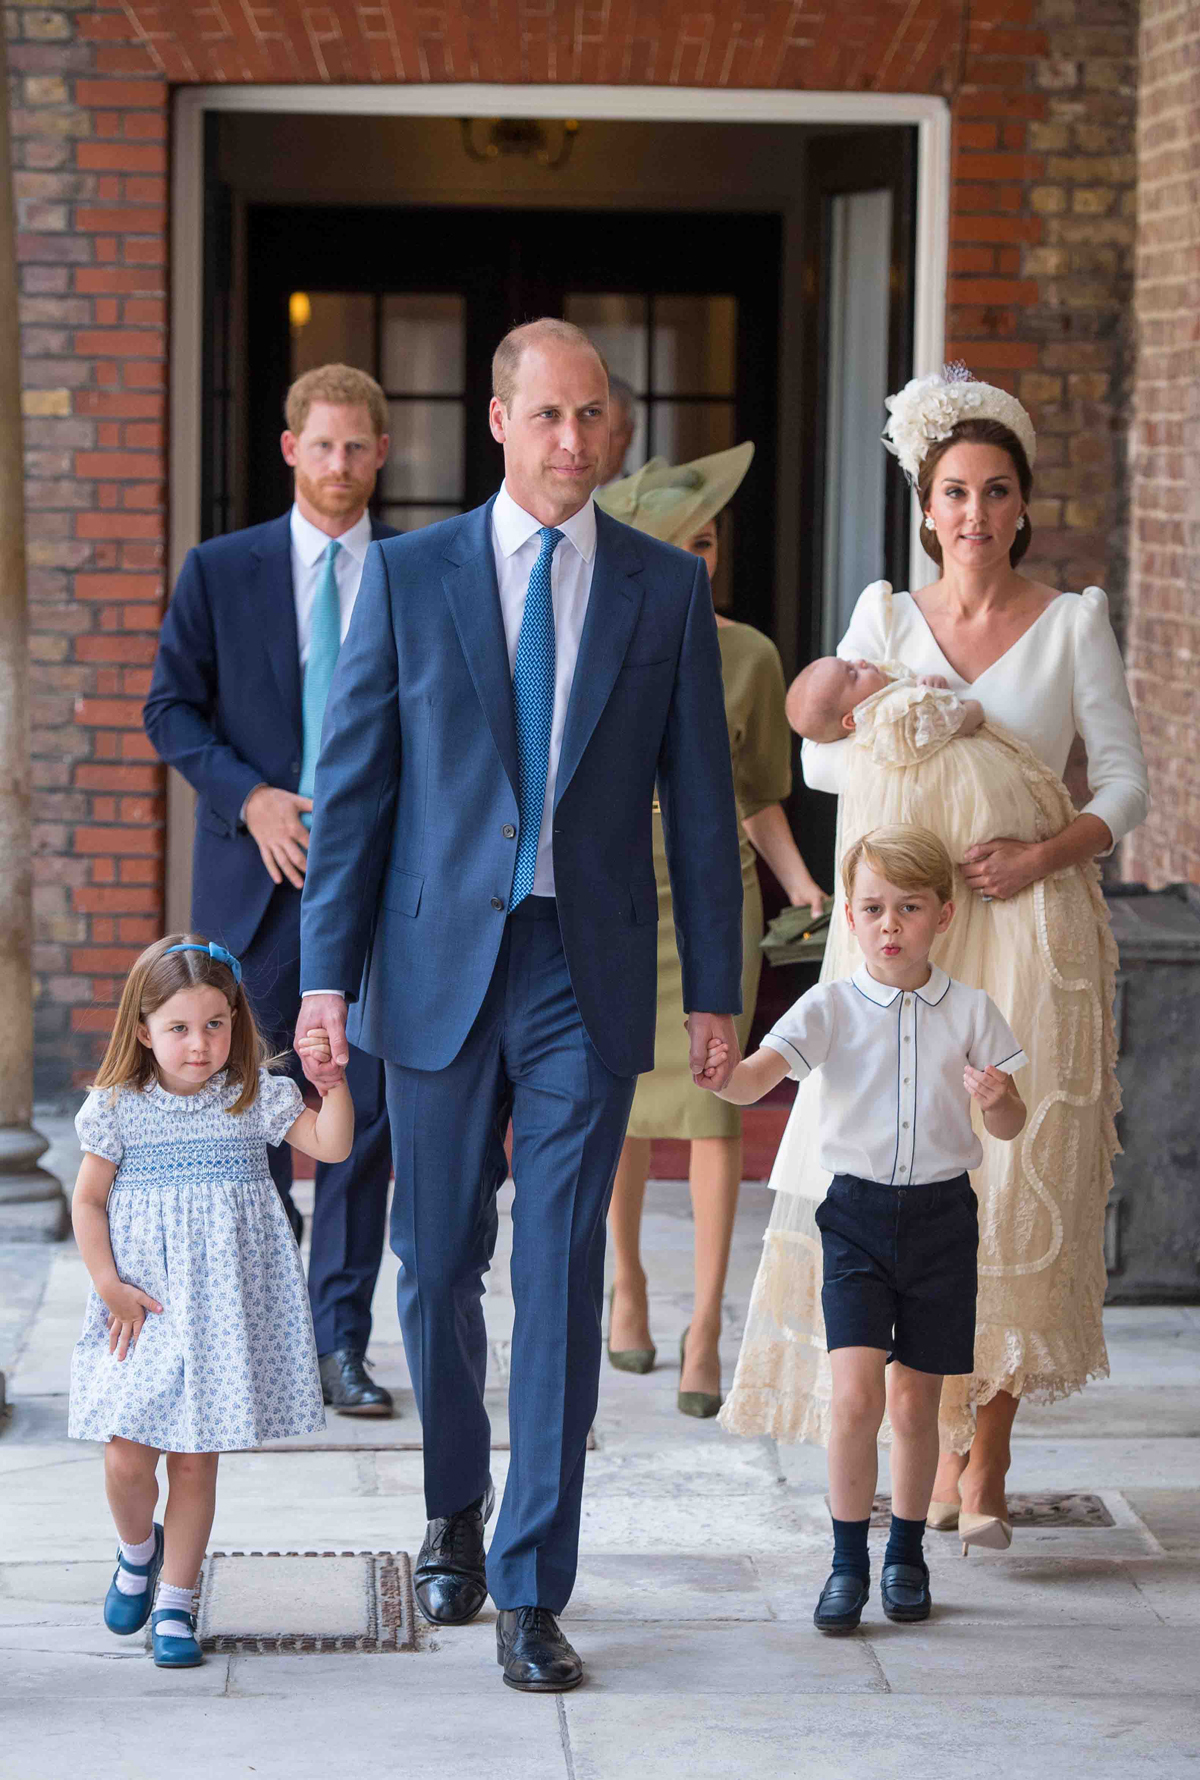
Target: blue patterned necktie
(324,642)
(533,699)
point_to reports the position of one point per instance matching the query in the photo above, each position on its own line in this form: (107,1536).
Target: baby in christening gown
(924,756)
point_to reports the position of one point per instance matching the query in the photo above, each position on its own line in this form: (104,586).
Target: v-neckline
(1003,656)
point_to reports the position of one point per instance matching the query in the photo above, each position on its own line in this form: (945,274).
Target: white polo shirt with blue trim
(893,1107)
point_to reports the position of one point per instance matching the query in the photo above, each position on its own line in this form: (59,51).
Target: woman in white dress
(1044,665)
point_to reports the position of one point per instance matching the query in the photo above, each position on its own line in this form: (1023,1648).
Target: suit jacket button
(509,832)
(497,902)
(295,766)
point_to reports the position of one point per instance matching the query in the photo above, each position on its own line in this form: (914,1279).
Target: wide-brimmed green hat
(674,501)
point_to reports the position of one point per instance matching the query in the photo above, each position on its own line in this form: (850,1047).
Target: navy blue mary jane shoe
(175,1653)
(842,1601)
(125,1614)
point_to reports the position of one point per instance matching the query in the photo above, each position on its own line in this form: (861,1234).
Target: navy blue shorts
(901,1270)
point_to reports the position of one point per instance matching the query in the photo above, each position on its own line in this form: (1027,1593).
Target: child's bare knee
(192,1467)
(857,1404)
(129,1462)
(912,1406)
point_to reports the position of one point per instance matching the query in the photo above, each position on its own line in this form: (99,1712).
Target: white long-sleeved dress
(1046,957)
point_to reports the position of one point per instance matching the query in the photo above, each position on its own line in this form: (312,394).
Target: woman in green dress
(681,504)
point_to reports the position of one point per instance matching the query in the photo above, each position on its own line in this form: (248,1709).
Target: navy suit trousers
(528,1057)
(350,1207)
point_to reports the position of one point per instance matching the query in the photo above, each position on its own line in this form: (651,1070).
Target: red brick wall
(1164,623)
(1041,243)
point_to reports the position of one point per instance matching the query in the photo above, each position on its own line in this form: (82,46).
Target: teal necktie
(324,642)
(533,703)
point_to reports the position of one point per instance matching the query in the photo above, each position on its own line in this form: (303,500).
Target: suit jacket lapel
(613,606)
(274,614)
(471,589)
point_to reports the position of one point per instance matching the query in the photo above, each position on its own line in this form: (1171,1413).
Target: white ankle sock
(178,1600)
(135,1554)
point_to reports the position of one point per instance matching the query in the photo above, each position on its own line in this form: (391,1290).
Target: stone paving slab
(1173,1516)
(802,1736)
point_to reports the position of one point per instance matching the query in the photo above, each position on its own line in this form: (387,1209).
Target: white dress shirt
(1063,675)
(515,545)
(308,566)
(893,1107)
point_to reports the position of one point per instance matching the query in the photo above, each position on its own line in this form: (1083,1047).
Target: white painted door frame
(930,116)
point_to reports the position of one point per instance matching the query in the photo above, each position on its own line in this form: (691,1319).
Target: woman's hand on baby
(315,1047)
(988,1086)
(936,680)
(1001,868)
(128,1308)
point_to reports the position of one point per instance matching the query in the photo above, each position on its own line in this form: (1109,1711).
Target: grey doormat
(1045,1508)
(306,1601)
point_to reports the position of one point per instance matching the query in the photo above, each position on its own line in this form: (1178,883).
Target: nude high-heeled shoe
(942,1517)
(989,1531)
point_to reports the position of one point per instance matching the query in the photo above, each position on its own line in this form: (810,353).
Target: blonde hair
(157,975)
(506,360)
(342,385)
(907,857)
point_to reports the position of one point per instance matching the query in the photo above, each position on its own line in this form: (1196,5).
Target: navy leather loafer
(126,1614)
(904,1589)
(842,1601)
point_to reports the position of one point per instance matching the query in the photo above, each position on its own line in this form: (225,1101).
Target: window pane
(411,519)
(617,324)
(683,431)
(426,459)
(695,345)
(332,328)
(424,344)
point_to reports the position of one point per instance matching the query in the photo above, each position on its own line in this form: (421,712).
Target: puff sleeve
(825,765)
(1117,776)
(98,1125)
(280,1104)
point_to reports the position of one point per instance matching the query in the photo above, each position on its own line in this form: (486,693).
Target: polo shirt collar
(883,994)
(514,526)
(311,542)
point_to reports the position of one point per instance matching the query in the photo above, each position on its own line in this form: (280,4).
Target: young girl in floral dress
(197,1338)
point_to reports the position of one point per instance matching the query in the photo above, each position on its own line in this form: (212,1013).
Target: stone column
(32,1205)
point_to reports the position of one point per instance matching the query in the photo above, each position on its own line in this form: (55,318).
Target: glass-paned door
(414,345)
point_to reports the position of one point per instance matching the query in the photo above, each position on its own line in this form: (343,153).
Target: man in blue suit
(481,888)
(245,659)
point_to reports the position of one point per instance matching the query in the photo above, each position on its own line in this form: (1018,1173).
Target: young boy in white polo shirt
(904,1050)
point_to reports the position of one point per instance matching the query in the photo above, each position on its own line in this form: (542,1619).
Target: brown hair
(976,432)
(506,360)
(157,975)
(343,385)
(908,857)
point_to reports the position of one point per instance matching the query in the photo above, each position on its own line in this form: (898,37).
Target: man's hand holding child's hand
(316,1048)
(716,1059)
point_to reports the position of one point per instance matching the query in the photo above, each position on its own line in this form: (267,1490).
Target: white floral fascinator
(928,409)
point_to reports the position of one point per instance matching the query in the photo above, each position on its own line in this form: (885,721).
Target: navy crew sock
(904,1542)
(850,1547)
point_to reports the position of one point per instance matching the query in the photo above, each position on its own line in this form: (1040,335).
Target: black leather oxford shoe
(535,1655)
(450,1581)
(347,1386)
(904,1589)
(842,1601)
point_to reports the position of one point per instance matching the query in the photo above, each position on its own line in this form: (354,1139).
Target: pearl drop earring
(1021,523)
(929,525)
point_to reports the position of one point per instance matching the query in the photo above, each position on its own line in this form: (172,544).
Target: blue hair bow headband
(214,951)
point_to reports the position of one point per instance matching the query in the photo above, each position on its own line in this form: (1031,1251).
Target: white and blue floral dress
(196,1222)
